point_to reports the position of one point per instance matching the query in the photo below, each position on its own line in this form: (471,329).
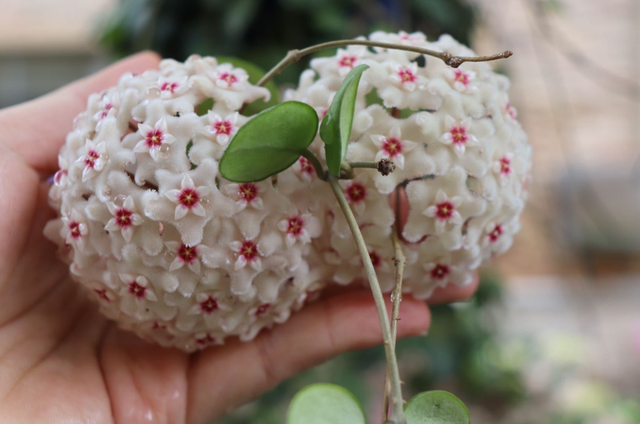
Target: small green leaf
(325,404)
(255,73)
(335,129)
(270,142)
(436,407)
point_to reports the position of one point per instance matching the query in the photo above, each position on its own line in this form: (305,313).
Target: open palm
(60,361)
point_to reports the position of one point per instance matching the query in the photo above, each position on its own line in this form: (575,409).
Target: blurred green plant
(260,30)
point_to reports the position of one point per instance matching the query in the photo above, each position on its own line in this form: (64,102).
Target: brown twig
(451,60)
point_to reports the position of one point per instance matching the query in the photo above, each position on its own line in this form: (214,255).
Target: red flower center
(459,134)
(187,254)
(461,76)
(228,77)
(306,167)
(210,305)
(356,192)
(439,272)
(188,198)
(169,86)
(376,260)
(223,127)
(392,146)
(91,158)
(74,228)
(205,340)
(105,110)
(348,61)
(102,294)
(505,166)
(137,290)
(124,218)
(262,309)
(247,192)
(154,138)
(406,75)
(495,234)
(249,250)
(296,225)
(445,210)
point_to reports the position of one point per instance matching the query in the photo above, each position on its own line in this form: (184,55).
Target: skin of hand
(61,361)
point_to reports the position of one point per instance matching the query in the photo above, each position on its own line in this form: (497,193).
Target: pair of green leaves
(274,139)
(332,404)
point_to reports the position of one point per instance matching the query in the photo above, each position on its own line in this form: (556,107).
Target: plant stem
(397,413)
(451,60)
(373,165)
(316,164)
(399,261)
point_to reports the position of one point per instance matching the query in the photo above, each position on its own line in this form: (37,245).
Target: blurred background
(553,335)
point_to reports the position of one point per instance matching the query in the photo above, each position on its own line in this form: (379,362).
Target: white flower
(407,77)
(299,227)
(137,287)
(188,198)
(75,229)
(248,253)
(155,140)
(228,77)
(172,87)
(94,160)
(444,211)
(245,194)
(124,219)
(392,146)
(503,167)
(457,135)
(185,255)
(462,80)
(223,130)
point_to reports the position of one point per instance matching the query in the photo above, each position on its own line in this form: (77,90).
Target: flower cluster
(165,245)
(177,254)
(462,161)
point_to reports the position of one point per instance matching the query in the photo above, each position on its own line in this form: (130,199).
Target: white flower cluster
(462,161)
(181,256)
(167,247)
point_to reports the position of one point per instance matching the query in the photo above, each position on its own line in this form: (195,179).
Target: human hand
(61,361)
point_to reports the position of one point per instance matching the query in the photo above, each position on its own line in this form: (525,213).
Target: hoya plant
(193,214)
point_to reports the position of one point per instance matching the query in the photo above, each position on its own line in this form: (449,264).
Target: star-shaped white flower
(299,227)
(444,211)
(407,77)
(248,253)
(75,229)
(392,146)
(221,129)
(172,87)
(137,287)
(188,198)
(245,194)
(125,218)
(461,80)
(185,255)
(457,135)
(94,159)
(155,140)
(503,167)
(228,77)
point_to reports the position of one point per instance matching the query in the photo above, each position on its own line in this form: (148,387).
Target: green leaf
(270,142)
(255,73)
(325,404)
(436,407)
(335,129)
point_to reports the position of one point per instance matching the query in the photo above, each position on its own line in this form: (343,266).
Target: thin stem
(373,165)
(397,413)
(316,164)
(399,260)
(451,60)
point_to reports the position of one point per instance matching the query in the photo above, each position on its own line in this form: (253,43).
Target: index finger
(36,129)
